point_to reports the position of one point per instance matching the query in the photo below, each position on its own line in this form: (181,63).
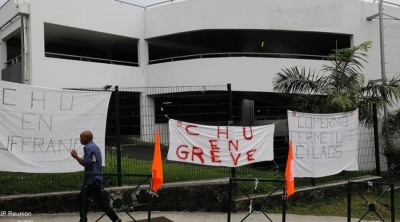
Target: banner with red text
(230,146)
(323,144)
(40,126)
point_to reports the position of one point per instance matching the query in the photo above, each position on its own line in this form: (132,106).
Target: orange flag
(156,168)
(289,172)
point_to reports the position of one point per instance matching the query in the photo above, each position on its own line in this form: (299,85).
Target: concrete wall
(95,15)
(332,16)
(308,15)
(245,74)
(392,43)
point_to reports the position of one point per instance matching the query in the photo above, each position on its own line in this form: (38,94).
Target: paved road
(174,216)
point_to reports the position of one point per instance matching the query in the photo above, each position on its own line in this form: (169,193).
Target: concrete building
(93,43)
(90,43)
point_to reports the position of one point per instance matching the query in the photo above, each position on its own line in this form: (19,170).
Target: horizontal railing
(239,54)
(13,61)
(123,2)
(172,1)
(90,59)
(391,3)
(146,6)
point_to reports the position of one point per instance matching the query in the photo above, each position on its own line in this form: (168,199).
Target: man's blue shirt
(92,165)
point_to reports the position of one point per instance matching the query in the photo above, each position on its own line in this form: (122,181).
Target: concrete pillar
(3,54)
(147,118)
(143,50)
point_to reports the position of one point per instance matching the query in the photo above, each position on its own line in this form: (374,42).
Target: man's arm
(74,154)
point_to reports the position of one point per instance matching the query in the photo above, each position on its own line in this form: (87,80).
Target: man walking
(91,161)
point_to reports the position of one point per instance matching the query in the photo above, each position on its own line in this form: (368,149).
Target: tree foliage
(339,86)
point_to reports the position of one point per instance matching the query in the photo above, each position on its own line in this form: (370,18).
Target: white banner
(323,144)
(40,126)
(230,146)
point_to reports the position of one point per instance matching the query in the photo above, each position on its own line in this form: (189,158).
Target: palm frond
(342,101)
(340,87)
(297,81)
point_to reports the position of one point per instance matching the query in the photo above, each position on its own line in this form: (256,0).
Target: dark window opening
(13,50)
(249,43)
(84,45)
(261,106)
(265,111)
(211,109)
(13,63)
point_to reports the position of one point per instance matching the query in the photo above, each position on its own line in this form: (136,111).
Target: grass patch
(20,183)
(24,183)
(27,183)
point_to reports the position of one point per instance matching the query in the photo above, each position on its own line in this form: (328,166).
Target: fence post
(230,120)
(392,210)
(376,138)
(118,135)
(233,169)
(284,200)
(349,184)
(229,199)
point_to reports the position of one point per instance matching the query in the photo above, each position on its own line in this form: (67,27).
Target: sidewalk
(175,217)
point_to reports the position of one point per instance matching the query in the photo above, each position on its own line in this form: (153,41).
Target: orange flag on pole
(289,172)
(156,168)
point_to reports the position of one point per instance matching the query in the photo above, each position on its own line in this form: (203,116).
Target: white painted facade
(96,15)
(245,74)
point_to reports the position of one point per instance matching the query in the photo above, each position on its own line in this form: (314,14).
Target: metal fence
(135,113)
